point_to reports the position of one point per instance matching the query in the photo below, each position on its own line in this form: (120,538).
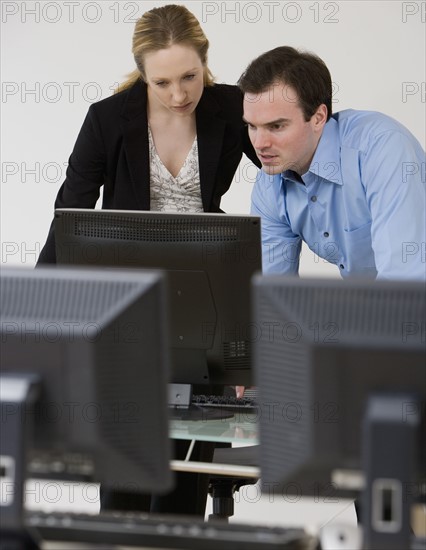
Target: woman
(169,140)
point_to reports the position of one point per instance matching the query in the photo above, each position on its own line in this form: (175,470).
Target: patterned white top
(179,194)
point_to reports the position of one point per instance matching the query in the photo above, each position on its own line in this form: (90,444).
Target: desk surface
(240,429)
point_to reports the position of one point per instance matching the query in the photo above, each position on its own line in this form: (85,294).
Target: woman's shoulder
(227,97)
(226,91)
(135,94)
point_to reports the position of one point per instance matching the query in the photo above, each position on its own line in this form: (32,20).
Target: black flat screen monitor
(95,341)
(209,260)
(323,348)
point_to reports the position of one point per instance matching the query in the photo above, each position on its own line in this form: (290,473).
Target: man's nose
(261,139)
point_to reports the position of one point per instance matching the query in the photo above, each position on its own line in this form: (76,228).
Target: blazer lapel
(136,146)
(210,131)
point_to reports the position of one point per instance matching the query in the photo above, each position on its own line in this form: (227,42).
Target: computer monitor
(93,345)
(328,355)
(209,260)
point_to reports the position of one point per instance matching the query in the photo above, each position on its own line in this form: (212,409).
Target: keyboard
(226,402)
(165,531)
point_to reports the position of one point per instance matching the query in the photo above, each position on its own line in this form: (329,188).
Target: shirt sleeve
(280,246)
(393,174)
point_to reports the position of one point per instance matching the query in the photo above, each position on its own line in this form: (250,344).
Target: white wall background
(59,56)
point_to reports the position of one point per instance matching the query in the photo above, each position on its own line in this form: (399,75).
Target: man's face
(281,136)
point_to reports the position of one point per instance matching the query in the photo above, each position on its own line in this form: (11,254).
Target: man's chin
(272,170)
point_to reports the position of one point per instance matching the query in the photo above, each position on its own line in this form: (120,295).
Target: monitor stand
(181,407)
(18,395)
(390,443)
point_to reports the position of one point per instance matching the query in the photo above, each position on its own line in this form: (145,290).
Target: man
(351,185)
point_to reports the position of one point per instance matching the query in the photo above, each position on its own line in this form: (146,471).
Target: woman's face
(175,79)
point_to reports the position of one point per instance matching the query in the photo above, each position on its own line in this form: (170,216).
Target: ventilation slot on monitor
(130,228)
(55,300)
(236,354)
(355,316)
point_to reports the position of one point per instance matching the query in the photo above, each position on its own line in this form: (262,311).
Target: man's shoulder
(370,118)
(372,121)
(357,128)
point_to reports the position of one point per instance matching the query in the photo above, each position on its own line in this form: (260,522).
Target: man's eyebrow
(269,123)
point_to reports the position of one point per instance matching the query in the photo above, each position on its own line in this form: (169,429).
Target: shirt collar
(326,161)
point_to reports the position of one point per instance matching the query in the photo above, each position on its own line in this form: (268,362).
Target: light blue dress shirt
(361,204)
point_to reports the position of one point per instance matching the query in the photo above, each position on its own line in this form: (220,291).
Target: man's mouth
(266,158)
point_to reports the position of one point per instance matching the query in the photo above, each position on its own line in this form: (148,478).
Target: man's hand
(239,391)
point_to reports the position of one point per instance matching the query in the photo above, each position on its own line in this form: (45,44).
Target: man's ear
(319,118)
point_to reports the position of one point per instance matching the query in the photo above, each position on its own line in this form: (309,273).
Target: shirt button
(342,266)
(326,234)
(314,198)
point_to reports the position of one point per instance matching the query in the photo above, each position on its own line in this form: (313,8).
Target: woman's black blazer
(112,151)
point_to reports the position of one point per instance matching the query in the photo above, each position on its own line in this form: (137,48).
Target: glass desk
(241,430)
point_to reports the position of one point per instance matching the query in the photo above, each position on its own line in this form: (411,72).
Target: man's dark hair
(304,72)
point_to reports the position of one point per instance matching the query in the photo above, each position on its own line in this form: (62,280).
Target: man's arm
(393,174)
(280,246)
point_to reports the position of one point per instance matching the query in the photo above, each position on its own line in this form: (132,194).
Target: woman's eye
(189,76)
(160,83)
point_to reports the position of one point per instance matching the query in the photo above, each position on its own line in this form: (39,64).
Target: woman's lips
(183,107)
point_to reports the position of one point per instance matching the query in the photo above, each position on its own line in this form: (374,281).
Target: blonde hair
(161,28)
